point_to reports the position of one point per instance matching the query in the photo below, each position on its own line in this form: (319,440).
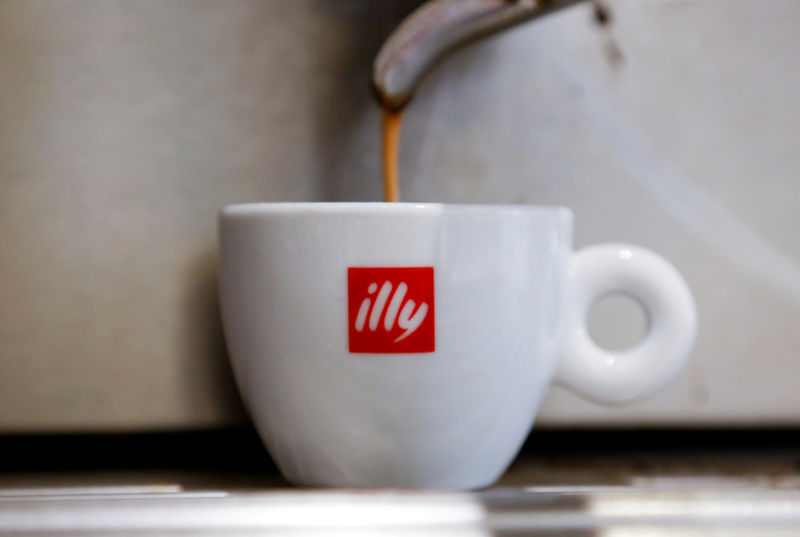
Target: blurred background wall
(126,125)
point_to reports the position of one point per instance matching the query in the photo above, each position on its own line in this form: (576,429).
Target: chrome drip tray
(555,488)
(176,503)
(612,511)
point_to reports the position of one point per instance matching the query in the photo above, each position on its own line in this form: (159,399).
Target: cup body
(447,405)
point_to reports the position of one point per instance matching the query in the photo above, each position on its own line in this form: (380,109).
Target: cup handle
(613,378)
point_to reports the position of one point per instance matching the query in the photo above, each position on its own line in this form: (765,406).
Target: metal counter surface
(670,507)
(557,486)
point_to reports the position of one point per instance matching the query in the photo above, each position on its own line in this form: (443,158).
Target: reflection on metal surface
(606,511)
(277,511)
(36,492)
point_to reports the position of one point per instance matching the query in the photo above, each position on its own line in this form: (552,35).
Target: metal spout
(438,27)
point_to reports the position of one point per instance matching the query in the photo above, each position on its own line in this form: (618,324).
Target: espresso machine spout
(438,27)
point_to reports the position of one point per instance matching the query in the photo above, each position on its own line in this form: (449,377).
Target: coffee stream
(390,130)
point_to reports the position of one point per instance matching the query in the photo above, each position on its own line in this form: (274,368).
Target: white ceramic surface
(455,416)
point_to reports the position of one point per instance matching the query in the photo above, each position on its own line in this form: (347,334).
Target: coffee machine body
(126,126)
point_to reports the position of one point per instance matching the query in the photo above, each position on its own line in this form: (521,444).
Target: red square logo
(390,309)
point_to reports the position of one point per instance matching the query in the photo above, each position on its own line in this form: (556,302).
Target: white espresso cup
(399,344)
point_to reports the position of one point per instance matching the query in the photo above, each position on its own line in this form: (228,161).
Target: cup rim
(376,208)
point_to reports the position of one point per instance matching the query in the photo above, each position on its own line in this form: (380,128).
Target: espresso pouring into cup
(422,40)
(400,344)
